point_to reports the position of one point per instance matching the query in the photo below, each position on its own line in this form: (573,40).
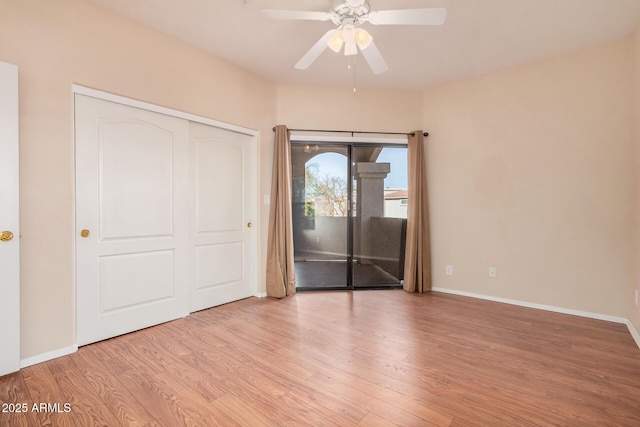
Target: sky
(398,176)
(336,164)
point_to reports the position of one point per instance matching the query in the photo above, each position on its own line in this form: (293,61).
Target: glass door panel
(320,209)
(380,202)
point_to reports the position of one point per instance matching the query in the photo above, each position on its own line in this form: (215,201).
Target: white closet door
(9,222)
(132,218)
(223,168)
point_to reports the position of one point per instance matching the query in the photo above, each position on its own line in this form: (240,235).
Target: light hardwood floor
(367,358)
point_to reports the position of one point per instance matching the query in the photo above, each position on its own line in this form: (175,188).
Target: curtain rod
(352,132)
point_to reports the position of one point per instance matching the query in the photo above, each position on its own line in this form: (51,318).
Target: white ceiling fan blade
(303,15)
(315,51)
(374,58)
(433,16)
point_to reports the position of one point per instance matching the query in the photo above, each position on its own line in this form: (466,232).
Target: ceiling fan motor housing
(351,11)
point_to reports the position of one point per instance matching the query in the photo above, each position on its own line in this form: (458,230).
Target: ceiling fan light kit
(349,37)
(363,38)
(336,42)
(348,16)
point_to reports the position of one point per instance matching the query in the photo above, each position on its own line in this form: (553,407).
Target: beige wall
(59,43)
(634,283)
(530,172)
(316,107)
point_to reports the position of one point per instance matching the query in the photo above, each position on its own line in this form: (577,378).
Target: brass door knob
(85,233)
(5,236)
(249,225)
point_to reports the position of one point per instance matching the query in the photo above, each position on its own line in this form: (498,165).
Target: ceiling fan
(349,15)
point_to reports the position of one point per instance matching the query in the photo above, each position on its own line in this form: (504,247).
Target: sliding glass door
(379,216)
(349,215)
(320,191)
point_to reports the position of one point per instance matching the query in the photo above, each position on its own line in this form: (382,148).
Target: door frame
(254,252)
(10,250)
(350,143)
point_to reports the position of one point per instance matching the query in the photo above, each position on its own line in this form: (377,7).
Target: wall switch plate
(449,270)
(493,272)
(267,199)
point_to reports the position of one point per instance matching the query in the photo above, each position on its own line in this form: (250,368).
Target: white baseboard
(535,305)
(634,332)
(48,356)
(260,295)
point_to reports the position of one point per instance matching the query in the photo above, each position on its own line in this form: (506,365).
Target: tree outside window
(325,194)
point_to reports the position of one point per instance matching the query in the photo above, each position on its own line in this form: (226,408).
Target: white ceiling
(479,36)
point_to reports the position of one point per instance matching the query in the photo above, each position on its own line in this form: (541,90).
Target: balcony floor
(332,274)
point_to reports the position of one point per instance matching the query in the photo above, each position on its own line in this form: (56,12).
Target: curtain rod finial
(425,134)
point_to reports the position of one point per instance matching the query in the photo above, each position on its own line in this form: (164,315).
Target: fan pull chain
(354,73)
(351,65)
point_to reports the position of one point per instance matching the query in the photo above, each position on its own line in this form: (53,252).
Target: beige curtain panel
(281,280)
(417,265)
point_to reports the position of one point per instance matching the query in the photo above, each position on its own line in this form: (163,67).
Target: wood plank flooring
(366,358)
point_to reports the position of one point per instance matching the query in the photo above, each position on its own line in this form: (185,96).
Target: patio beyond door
(349,215)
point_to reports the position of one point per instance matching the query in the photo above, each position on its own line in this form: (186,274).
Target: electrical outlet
(449,270)
(493,272)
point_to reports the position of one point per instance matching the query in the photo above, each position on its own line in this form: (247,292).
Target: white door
(9,231)
(223,170)
(132,218)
